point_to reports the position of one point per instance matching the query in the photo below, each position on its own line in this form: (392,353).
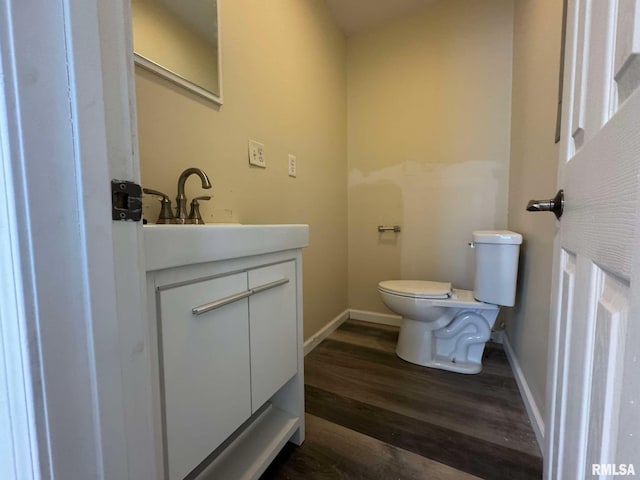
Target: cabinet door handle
(207,307)
(270,285)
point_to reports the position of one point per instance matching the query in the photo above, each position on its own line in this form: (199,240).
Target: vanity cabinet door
(205,368)
(273,330)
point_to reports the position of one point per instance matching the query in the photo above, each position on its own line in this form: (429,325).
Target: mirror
(178,39)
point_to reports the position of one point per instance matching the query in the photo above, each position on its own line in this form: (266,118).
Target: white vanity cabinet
(229,388)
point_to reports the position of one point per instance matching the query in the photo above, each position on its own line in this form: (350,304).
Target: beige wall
(285,87)
(534,158)
(429,101)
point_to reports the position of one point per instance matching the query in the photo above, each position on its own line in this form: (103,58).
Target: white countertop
(168,246)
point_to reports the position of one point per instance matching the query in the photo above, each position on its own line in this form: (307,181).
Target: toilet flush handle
(472,245)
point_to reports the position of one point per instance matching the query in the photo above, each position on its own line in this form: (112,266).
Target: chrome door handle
(555,205)
(269,286)
(207,307)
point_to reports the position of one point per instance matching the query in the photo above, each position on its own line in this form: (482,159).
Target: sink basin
(168,246)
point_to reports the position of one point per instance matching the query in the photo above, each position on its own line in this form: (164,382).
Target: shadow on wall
(522,285)
(438,206)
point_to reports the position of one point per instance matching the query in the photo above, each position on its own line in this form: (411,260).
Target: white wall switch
(293,171)
(256,154)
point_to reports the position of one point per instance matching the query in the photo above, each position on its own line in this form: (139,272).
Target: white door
(593,424)
(74,367)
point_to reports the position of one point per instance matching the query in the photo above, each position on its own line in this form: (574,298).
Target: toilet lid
(417,288)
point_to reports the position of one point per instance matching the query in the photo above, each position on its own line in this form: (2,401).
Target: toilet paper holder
(395,228)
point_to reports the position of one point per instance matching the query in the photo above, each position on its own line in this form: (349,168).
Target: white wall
(429,103)
(534,157)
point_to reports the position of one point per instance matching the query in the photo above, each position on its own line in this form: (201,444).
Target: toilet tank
(496,262)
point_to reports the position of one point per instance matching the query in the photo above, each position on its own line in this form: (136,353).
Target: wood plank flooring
(371,415)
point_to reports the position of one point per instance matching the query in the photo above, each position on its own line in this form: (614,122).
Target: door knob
(555,205)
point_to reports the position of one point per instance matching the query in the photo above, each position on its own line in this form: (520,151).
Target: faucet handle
(166,215)
(158,193)
(194,215)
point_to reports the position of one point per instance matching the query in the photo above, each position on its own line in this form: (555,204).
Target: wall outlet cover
(256,154)
(293,168)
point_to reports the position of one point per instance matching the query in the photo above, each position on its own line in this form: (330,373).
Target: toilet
(447,328)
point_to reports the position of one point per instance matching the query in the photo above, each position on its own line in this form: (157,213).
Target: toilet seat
(417,288)
(457,298)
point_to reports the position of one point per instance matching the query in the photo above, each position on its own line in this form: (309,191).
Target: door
(75,369)
(593,424)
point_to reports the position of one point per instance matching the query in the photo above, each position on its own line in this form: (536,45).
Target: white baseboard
(374,317)
(537,422)
(313,341)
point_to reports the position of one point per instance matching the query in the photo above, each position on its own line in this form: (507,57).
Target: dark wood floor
(370,415)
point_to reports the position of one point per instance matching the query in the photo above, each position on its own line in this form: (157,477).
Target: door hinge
(126,200)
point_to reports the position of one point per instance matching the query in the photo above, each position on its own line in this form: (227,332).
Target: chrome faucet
(181,199)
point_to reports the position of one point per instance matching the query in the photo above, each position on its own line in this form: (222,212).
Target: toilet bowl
(447,328)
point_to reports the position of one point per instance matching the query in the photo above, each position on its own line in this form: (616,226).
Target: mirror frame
(177,79)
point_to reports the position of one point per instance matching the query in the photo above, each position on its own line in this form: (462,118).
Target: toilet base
(445,364)
(456,347)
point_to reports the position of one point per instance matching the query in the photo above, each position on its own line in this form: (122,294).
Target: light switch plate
(256,154)
(293,168)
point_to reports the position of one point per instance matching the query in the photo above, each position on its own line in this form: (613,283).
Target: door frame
(74,361)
